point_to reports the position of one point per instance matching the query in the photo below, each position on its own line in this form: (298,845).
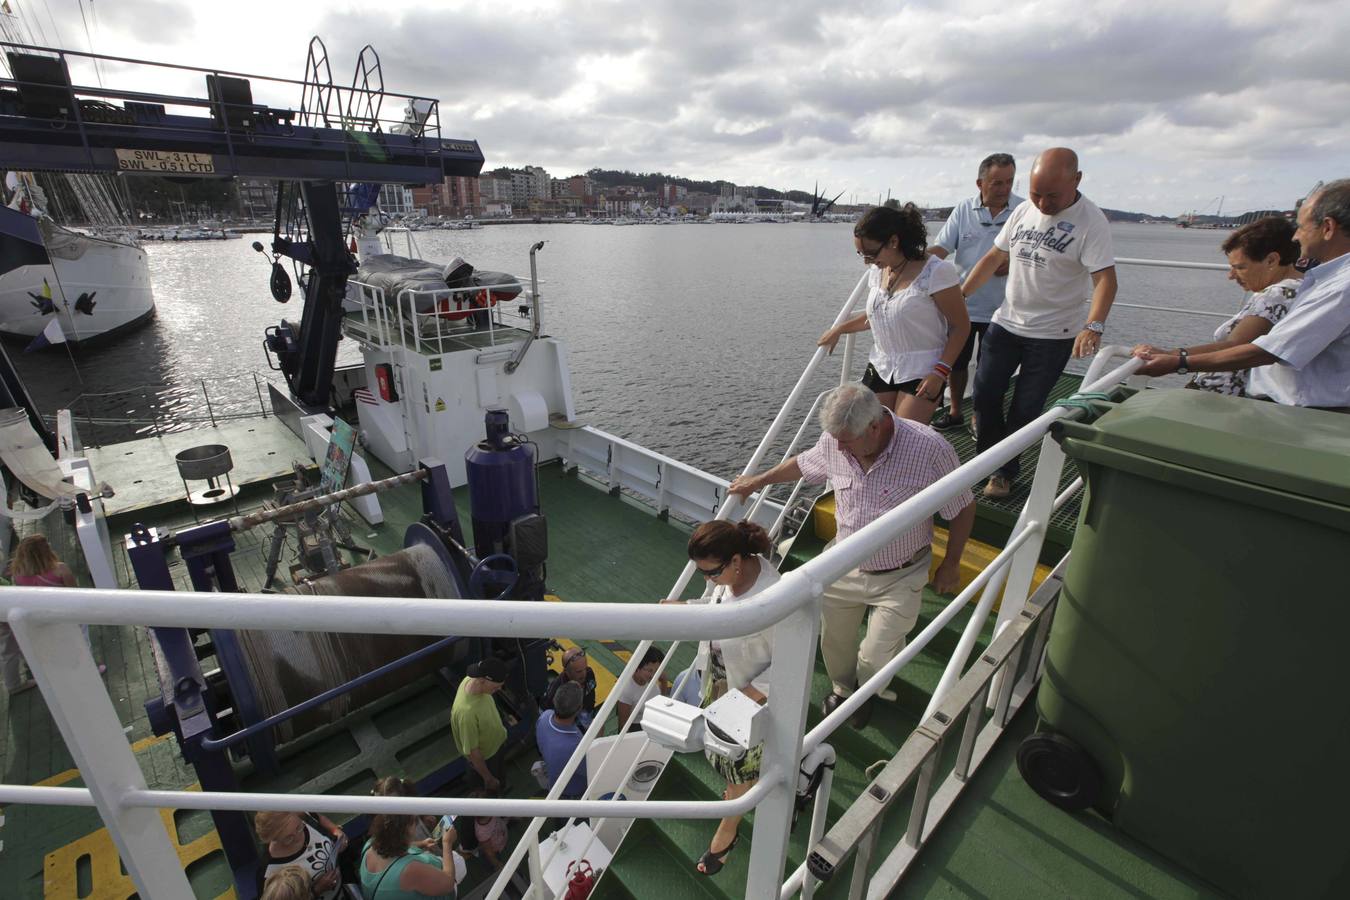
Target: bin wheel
(1059,770)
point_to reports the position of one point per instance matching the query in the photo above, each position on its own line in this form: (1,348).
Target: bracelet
(942,369)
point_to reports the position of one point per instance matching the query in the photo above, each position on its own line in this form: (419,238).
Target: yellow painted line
(147,742)
(68,775)
(604,678)
(60,873)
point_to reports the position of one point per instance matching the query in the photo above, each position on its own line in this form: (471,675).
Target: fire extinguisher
(580,880)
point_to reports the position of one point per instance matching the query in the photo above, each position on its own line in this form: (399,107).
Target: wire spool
(287,667)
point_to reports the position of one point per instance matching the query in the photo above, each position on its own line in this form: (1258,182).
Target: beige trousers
(894,600)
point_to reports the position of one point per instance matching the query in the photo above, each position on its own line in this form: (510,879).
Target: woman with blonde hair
(290,883)
(310,842)
(34,564)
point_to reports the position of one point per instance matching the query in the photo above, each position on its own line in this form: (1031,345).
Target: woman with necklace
(733,558)
(915,311)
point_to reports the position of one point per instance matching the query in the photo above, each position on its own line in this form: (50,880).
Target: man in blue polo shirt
(557,734)
(969,233)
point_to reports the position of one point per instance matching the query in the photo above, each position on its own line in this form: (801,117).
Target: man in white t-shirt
(1057,247)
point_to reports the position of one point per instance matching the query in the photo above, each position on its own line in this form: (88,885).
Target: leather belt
(917,557)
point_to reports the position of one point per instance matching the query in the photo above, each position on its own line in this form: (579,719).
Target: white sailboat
(94,285)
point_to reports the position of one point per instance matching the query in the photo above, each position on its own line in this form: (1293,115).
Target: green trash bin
(1197,681)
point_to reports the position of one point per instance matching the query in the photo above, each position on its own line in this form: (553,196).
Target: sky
(1170,105)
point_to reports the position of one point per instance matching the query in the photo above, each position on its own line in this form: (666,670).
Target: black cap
(492,668)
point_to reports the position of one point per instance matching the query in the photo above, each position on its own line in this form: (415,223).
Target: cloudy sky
(1171,105)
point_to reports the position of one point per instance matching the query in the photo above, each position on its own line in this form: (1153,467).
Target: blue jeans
(1001,352)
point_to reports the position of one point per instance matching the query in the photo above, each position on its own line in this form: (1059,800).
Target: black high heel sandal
(711,862)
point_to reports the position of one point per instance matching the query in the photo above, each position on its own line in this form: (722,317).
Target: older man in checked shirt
(875,461)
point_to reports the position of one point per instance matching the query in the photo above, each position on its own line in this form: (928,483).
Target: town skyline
(1170,106)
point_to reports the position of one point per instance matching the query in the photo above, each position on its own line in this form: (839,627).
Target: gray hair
(1333,202)
(995,159)
(849,409)
(567,700)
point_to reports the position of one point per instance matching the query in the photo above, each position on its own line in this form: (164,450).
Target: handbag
(580,880)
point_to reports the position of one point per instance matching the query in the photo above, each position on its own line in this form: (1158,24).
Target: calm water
(684,338)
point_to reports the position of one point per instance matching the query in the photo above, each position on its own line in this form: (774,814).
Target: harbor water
(685,338)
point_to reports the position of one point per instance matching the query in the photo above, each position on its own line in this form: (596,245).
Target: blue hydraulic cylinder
(502,486)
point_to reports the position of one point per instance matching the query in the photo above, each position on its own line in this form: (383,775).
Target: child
(491,834)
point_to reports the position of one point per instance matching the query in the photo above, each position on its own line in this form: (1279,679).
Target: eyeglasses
(871,255)
(713,573)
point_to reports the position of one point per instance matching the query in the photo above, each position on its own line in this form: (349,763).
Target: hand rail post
(64,669)
(794,644)
(846,361)
(207,397)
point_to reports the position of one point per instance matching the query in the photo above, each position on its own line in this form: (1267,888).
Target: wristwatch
(1182,367)
(1098,327)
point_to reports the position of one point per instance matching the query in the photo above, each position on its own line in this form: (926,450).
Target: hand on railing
(828,340)
(744,485)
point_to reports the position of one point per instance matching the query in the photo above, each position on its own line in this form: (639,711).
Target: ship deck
(1001,840)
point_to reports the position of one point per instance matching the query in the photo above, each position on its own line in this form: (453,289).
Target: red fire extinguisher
(384,382)
(580,880)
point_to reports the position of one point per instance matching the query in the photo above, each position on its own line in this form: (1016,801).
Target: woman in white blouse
(733,557)
(915,311)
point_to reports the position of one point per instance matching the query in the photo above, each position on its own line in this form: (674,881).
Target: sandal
(711,863)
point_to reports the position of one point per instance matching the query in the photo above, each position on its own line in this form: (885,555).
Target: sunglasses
(713,573)
(870,255)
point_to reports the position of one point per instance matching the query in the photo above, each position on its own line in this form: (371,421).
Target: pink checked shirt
(916,457)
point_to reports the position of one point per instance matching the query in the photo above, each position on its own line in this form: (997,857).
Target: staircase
(658,857)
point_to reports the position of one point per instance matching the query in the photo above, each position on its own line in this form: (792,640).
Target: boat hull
(95,288)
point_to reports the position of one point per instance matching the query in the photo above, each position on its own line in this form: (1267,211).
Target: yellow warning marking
(604,678)
(976,557)
(68,775)
(146,742)
(60,872)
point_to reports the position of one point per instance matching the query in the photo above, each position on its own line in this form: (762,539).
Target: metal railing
(45,622)
(453,322)
(167,408)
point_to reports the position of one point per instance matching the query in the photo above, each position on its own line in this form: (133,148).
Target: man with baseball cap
(477,726)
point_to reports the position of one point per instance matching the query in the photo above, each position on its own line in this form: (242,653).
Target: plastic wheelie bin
(1197,679)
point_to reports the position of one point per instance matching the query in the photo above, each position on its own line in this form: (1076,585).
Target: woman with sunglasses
(915,311)
(733,557)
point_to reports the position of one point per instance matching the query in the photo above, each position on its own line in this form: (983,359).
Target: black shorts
(877,385)
(962,363)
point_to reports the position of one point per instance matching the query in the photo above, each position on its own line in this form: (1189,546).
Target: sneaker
(946,421)
(998,487)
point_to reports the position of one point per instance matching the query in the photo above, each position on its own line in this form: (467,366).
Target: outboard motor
(507,526)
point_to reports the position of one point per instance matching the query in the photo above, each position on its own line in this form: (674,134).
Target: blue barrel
(502,487)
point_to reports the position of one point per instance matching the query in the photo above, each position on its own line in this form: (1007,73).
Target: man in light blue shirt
(1305,359)
(969,233)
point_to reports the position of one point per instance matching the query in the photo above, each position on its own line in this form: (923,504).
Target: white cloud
(1165,101)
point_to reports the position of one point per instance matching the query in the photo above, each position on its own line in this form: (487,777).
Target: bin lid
(1298,451)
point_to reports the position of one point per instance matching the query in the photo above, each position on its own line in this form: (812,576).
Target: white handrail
(728,504)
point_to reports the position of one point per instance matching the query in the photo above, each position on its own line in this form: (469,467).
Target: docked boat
(94,286)
(288,605)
